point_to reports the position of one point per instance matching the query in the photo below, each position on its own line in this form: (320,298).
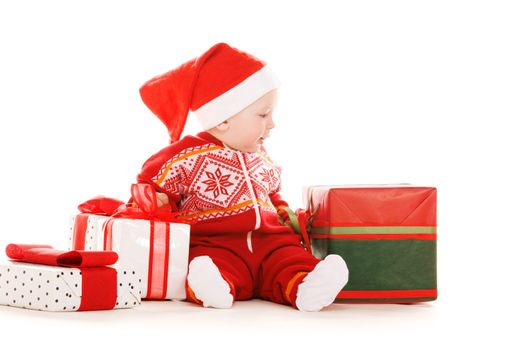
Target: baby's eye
(263,115)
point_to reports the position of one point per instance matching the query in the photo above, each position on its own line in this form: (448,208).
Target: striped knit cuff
(292,288)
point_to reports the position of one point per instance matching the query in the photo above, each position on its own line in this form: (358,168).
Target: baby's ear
(223,126)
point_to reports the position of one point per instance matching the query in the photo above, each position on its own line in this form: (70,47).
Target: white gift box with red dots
(54,288)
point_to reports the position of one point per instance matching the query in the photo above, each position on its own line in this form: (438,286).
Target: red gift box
(386,234)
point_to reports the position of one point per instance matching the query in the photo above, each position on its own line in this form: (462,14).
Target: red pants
(266,266)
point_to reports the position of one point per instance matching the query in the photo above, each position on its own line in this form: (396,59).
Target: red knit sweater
(226,191)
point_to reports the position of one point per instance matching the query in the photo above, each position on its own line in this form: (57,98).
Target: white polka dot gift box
(145,238)
(84,283)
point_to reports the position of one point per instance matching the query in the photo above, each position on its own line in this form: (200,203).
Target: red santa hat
(215,86)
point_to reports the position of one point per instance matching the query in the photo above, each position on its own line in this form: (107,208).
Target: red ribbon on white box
(158,257)
(79,231)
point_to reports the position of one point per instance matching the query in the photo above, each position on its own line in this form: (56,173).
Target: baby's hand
(162,199)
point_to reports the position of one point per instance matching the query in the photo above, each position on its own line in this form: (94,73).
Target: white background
(373,92)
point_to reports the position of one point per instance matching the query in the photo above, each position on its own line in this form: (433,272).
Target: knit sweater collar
(211,138)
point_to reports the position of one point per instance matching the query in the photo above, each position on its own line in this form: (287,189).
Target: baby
(225,182)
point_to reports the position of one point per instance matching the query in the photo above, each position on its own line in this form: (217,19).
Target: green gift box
(385,233)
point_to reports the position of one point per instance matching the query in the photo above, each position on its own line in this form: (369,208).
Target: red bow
(304,217)
(299,221)
(46,255)
(143,205)
(100,205)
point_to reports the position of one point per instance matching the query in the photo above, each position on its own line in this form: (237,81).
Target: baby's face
(247,130)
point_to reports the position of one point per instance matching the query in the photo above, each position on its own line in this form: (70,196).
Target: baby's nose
(271,123)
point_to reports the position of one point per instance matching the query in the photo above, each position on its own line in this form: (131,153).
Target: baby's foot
(321,286)
(205,280)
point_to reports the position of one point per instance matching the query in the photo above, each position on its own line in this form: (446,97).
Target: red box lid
(371,205)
